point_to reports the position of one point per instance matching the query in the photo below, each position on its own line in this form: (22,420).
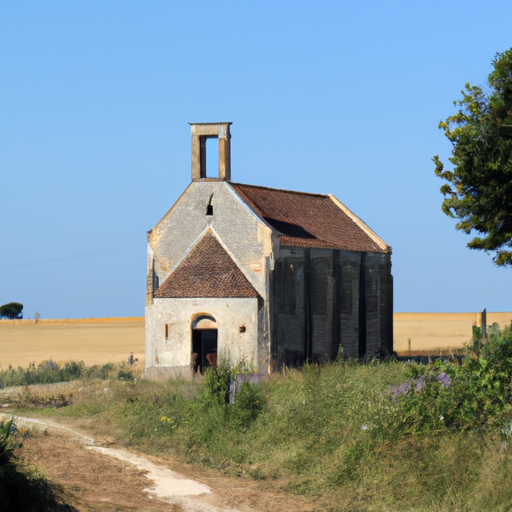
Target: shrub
(23,489)
(249,403)
(6,446)
(125,376)
(216,383)
(472,393)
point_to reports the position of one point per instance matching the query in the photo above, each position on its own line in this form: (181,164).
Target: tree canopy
(478,191)
(11,310)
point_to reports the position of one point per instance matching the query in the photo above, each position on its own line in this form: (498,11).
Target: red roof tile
(310,220)
(206,271)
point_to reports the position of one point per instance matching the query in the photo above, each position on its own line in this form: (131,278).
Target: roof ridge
(310,220)
(362,225)
(281,190)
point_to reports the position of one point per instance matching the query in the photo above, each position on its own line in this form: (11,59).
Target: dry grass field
(104,340)
(92,340)
(439,332)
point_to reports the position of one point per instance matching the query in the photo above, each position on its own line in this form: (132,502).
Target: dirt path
(110,478)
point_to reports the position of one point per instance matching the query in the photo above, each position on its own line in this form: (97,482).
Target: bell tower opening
(201,132)
(212,158)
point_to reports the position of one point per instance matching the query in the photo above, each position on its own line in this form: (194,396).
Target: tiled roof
(310,220)
(206,271)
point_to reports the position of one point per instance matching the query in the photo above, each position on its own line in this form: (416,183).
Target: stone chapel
(259,275)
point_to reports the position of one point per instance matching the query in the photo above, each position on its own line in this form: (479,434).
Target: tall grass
(340,434)
(49,372)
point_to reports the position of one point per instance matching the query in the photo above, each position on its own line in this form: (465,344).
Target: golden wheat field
(92,340)
(104,340)
(439,332)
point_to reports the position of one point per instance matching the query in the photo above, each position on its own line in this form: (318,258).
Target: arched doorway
(204,343)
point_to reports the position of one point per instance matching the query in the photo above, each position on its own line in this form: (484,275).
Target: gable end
(206,272)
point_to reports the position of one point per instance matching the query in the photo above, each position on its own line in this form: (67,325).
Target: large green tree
(478,191)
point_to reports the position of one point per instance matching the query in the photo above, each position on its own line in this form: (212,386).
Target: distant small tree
(11,310)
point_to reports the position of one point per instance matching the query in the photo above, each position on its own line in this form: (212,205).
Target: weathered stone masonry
(266,276)
(325,299)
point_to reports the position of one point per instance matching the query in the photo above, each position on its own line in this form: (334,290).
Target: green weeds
(473,393)
(382,435)
(49,372)
(23,488)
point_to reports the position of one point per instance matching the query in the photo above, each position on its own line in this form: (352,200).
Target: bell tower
(200,133)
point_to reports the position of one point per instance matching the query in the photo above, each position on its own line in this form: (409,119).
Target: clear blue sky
(332,97)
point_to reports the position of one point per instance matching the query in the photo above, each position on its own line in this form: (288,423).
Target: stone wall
(246,238)
(324,299)
(172,356)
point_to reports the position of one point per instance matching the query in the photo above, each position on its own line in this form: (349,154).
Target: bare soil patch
(97,482)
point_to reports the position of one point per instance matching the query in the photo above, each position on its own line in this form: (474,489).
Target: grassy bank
(314,433)
(348,436)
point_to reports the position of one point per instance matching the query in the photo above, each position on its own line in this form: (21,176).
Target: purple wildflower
(444,379)
(420,383)
(401,390)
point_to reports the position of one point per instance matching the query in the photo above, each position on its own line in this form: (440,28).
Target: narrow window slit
(209,208)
